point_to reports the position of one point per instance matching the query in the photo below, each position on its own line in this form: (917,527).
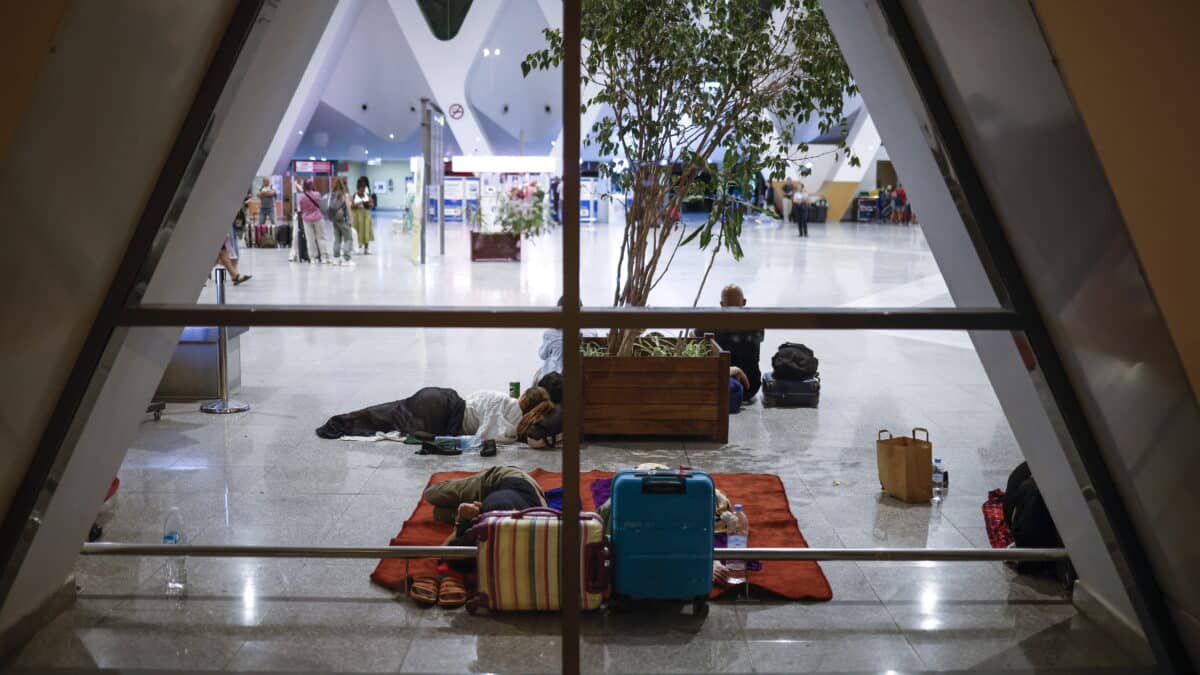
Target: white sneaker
(328,261)
(338,262)
(350,263)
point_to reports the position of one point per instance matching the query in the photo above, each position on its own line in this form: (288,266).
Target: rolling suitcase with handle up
(662,536)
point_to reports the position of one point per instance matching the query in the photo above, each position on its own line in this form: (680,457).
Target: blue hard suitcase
(789,393)
(662,536)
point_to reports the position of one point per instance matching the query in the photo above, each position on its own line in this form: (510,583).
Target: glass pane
(269,477)
(446,154)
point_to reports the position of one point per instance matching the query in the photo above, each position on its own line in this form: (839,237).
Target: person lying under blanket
(440,411)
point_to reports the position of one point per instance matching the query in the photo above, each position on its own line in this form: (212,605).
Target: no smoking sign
(456,111)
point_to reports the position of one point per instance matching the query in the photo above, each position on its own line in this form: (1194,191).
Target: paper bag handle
(916,429)
(881,433)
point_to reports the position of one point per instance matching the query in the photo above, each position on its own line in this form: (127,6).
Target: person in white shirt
(802,216)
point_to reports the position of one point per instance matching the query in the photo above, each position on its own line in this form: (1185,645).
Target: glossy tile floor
(263,477)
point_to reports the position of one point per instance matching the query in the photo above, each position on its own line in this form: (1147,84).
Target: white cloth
(394,436)
(551,352)
(492,415)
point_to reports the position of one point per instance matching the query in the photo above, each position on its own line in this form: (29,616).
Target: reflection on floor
(264,477)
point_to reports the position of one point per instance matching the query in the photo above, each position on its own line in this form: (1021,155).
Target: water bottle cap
(737,507)
(937,459)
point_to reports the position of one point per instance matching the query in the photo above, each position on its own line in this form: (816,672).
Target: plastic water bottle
(462,442)
(738,533)
(938,481)
(176,565)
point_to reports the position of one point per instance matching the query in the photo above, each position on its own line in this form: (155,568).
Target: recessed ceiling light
(445,159)
(487,52)
(497,51)
(391,135)
(324,160)
(300,133)
(312,159)
(366,152)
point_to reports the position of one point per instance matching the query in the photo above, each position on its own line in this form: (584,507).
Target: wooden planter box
(657,396)
(499,246)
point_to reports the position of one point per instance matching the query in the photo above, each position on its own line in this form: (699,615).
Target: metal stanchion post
(223,405)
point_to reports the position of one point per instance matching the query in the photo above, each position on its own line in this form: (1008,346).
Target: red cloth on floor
(762,495)
(993,520)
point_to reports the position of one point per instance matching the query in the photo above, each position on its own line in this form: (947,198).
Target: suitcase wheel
(700,608)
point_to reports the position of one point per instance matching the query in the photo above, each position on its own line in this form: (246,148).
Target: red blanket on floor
(771,525)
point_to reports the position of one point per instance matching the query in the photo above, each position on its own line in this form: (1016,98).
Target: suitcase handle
(544,511)
(882,432)
(664,485)
(916,429)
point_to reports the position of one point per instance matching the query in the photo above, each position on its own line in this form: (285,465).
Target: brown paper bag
(905,466)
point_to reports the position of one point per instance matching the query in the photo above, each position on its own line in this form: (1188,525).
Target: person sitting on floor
(743,346)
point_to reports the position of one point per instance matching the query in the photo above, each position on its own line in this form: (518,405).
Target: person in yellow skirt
(360,214)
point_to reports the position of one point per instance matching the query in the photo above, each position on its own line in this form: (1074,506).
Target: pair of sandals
(447,592)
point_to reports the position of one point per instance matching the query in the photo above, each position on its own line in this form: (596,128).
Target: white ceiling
(494,82)
(377,67)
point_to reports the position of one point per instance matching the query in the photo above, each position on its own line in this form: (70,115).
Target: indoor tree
(683,81)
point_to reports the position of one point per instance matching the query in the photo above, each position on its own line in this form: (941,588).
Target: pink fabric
(310,209)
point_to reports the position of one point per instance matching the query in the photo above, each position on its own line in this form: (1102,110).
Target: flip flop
(451,593)
(424,591)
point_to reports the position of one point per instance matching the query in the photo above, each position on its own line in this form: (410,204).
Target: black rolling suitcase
(789,393)
(283,236)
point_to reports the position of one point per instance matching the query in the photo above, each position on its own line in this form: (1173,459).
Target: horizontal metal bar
(948,318)
(379,552)
(349,552)
(894,554)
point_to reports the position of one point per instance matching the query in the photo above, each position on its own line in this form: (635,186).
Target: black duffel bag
(793,361)
(1032,526)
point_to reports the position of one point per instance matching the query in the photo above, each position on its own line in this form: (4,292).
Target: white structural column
(445,64)
(312,85)
(886,87)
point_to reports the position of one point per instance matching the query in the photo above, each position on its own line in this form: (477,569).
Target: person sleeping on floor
(459,502)
(535,418)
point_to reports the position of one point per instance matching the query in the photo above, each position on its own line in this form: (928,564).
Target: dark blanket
(433,410)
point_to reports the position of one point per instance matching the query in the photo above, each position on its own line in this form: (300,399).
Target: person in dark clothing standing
(743,345)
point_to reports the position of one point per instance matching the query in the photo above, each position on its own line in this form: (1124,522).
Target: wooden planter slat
(603,395)
(688,428)
(647,378)
(657,396)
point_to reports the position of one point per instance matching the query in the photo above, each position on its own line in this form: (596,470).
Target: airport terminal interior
(397,157)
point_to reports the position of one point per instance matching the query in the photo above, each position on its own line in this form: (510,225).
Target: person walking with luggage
(314,223)
(339,215)
(360,209)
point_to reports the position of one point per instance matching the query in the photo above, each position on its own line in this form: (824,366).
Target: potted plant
(702,95)
(517,213)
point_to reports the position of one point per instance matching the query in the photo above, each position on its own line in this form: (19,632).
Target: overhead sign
(313,167)
(456,111)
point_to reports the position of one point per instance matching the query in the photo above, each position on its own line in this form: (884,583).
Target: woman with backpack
(314,223)
(339,215)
